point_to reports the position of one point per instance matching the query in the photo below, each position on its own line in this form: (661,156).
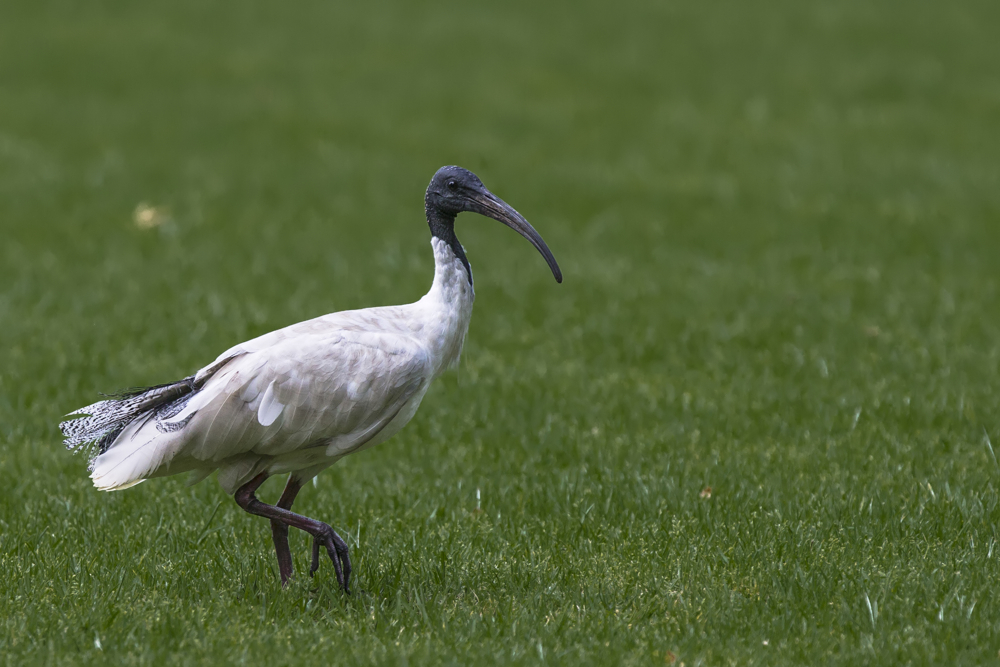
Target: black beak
(488,204)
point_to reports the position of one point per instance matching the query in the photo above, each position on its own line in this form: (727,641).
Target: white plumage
(298,399)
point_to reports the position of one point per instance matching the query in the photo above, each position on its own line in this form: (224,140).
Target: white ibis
(298,399)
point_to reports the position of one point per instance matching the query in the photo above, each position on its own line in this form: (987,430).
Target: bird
(296,400)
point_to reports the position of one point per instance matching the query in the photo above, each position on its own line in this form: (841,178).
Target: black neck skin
(442,226)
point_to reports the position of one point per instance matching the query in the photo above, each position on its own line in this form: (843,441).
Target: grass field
(779,224)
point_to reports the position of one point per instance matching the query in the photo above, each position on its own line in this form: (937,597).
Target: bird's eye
(452,185)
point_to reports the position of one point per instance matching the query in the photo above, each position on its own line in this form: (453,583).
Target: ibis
(296,400)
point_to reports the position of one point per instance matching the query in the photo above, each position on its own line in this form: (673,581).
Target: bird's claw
(337,549)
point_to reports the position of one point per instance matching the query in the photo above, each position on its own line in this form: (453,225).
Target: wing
(312,389)
(385,319)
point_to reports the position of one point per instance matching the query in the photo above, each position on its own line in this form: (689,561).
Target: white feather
(270,408)
(300,398)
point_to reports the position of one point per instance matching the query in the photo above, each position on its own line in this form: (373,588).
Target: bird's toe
(338,552)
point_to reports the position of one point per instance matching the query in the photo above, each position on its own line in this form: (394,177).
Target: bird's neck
(447,307)
(442,226)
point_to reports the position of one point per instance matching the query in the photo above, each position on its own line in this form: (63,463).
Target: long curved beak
(491,206)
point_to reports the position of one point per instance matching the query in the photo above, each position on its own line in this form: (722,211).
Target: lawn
(752,426)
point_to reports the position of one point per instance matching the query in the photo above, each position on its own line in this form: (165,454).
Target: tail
(100,424)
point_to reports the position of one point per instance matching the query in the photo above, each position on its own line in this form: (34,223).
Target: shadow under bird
(296,400)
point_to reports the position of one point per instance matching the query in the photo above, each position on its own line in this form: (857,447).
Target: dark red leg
(336,548)
(279,530)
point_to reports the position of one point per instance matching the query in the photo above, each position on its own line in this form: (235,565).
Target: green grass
(779,223)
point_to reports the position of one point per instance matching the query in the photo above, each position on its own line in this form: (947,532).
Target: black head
(454,190)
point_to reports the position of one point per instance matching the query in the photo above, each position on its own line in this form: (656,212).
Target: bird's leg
(335,546)
(279,530)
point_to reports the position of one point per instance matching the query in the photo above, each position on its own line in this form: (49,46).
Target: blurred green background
(751,427)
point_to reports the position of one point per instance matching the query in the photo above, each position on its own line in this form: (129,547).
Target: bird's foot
(337,549)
